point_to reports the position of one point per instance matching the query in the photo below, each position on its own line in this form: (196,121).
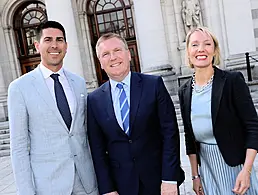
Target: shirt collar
(46,72)
(126,81)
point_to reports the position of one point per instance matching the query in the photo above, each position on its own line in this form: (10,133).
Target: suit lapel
(187,101)
(217,89)
(76,92)
(108,100)
(135,96)
(40,85)
(107,104)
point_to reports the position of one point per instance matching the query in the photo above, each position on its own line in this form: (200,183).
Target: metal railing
(248,66)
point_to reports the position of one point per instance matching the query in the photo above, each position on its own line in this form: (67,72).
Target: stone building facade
(155,31)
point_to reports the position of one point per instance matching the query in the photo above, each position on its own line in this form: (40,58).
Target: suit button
(133,159)
(130,141)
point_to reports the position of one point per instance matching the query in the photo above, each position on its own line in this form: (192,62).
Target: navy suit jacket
(150,154)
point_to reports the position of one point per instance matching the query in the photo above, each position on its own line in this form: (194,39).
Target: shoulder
(146,78)
(185,85)
(74,76)
(228,74)
(24,79)
(97,93)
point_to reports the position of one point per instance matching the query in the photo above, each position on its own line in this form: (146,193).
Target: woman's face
(201,49)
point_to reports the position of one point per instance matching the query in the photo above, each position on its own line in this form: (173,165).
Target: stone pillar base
(168,75)
(186,70)
(171,82)
(3,108)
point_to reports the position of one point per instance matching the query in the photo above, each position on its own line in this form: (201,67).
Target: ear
(66,45)
(129,55)
(36,44)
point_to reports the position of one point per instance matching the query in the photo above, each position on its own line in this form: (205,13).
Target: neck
(53,68)
(203,75)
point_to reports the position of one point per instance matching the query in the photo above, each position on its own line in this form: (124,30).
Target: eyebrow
(199,41)
(52,38)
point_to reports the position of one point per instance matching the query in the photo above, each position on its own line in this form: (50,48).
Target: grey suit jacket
(44,152)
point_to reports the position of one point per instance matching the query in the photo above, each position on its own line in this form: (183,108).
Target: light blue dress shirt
(115,96)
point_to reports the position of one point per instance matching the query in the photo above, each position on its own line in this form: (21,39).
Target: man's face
(52,48)
(114,58)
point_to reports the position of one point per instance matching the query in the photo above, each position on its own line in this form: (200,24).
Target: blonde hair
(216,58)
(110,36)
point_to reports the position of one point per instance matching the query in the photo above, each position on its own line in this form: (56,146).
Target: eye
(194,44)
(105,55)
(60,40)
(47,40)
(118,49)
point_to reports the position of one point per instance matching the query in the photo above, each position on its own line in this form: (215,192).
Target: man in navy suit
(132,128)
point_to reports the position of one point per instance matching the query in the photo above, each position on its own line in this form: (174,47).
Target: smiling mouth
(201,57)
(54,53)
(115,65)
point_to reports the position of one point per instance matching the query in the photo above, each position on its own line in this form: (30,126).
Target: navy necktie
(61,101)
(124,108)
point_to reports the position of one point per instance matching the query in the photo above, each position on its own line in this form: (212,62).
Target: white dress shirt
(66,86)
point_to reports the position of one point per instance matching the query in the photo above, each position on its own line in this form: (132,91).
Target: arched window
(26,20)
(112,16)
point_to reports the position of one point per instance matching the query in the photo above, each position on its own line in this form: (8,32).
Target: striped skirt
(218,178)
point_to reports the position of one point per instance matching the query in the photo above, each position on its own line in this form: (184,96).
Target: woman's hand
(242,182)
(197,186)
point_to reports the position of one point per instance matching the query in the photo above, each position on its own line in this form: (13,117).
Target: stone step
(4,153)
(4,125)
(5,141)
(4,131)
(4,147)
(4,136)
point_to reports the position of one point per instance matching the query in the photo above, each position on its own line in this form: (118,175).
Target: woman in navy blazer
(220,122)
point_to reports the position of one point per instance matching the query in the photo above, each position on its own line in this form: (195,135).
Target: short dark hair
(49,24)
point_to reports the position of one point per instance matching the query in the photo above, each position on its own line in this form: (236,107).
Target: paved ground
(7,185)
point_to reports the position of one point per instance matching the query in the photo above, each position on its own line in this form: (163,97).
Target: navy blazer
(234,118)
(150,154)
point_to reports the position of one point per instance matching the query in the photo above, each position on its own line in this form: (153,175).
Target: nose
(54,44)
(112,56)
(201,48)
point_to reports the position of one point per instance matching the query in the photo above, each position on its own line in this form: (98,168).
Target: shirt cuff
(171,182)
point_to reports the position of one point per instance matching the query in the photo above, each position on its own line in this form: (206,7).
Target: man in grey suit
(49,148)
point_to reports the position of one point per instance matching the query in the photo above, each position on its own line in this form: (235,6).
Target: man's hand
(168,189)
(112,193)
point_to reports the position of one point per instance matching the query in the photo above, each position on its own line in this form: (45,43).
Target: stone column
(63,12)
(151,36)
(90,72)
(239,26)
(152,41)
